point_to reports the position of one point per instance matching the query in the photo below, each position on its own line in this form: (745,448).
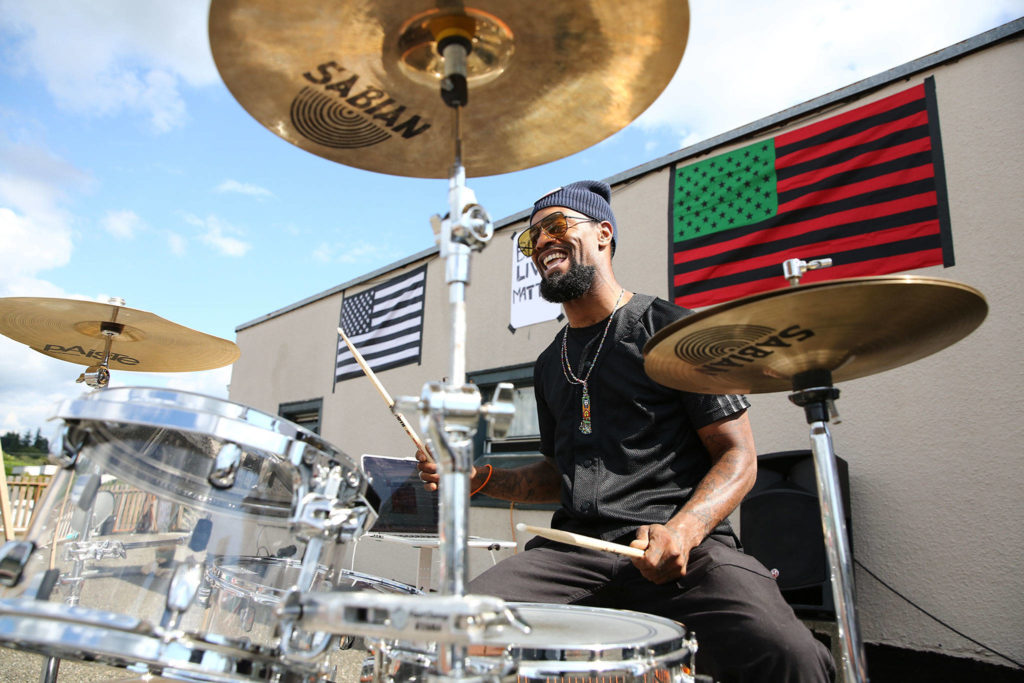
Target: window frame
(297,409)
(520,375)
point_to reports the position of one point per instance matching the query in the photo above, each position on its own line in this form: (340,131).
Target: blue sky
(127,169)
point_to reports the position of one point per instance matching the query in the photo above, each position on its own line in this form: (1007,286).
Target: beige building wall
(934,448)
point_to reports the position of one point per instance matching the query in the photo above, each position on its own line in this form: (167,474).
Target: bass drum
(156,486)
(566,644)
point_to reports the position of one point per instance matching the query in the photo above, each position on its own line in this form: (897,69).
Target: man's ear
(604,233)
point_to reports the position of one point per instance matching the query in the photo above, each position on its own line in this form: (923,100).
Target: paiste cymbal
(72,331)
(853,328)
(356,82)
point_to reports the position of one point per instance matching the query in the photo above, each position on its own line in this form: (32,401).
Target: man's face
(565,262)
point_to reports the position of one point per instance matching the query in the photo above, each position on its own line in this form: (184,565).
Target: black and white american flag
(384,323)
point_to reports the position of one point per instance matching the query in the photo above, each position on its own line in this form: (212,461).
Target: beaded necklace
(570,376)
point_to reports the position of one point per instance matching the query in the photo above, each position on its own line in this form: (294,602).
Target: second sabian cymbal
(77,331)
(851,328)
(355,81)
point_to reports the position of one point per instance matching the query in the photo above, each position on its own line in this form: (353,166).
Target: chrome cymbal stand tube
(450,413)
(813,391)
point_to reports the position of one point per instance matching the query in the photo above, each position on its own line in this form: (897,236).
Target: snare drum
(156,485)
(567,644)
(242,594)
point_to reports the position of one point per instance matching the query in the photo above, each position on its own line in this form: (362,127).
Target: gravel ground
(24,667)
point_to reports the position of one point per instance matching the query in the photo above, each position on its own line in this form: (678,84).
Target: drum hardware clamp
(793,269)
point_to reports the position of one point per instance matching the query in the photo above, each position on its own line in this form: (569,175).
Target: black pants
(745,630)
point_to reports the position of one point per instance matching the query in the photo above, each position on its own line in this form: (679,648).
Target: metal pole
(833,524)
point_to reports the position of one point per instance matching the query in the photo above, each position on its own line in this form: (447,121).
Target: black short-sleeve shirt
(643,457)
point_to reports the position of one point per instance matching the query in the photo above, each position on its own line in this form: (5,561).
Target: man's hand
(429,475)
(730,446)
(428,471)
(666,552)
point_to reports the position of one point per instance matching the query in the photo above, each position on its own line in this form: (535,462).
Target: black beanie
(590,197)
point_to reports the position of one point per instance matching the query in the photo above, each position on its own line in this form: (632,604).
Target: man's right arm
(536,483)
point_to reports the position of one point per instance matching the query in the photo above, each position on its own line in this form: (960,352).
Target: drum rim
(273,440)
(212,416)
(270,595)
(123,641)
(404,588)
(603,656)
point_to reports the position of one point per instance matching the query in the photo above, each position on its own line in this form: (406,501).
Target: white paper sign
(527,306)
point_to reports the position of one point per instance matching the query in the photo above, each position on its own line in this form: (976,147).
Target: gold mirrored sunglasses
(555,225)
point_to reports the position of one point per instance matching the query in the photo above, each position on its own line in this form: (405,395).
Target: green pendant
(585,423)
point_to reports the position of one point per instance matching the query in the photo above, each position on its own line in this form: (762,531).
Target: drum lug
(182,591)
(225,467)
(690,643)
(14,556)
(323,514)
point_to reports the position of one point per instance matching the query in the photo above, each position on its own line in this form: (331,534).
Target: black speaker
(780,525)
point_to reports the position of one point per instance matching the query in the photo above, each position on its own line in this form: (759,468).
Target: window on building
(303,413)
(521,445)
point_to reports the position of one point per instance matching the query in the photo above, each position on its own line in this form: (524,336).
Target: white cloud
(176,243)
(101,58)
(35,384)
(35,229)
(220,236)
(361,252)
(122,224)
(208,382)
(244,188)
(777,54)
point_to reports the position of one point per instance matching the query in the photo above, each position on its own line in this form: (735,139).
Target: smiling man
(637,463)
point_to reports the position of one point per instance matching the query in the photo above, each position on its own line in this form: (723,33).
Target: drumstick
(581,540)
(387,397)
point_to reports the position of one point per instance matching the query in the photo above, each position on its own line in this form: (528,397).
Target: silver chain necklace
(570,376)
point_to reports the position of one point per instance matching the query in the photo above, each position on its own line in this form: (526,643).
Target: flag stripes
(384,323)
(862,188)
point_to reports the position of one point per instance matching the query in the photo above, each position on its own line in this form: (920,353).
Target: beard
(572,284)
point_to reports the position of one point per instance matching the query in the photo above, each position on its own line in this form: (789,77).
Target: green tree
(10,441)
(41,443)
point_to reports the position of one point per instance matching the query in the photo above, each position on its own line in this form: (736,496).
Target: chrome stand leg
(51,665)
(815,393)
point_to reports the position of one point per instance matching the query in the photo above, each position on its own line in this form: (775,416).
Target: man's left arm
(730,443)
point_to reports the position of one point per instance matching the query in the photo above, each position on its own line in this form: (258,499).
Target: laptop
(406,511)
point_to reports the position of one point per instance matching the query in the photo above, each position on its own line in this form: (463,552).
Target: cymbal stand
(450,413)
(98,376)
(814,392)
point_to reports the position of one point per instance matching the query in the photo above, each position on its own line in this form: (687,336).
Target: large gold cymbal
(852,328)
(76,331)
(354,80)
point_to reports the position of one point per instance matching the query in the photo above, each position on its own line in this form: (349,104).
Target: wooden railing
(25,492)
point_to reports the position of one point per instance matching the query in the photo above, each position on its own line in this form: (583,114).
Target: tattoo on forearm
(537,483)
(722,488)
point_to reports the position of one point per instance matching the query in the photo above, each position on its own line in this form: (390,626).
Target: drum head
(568,632)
